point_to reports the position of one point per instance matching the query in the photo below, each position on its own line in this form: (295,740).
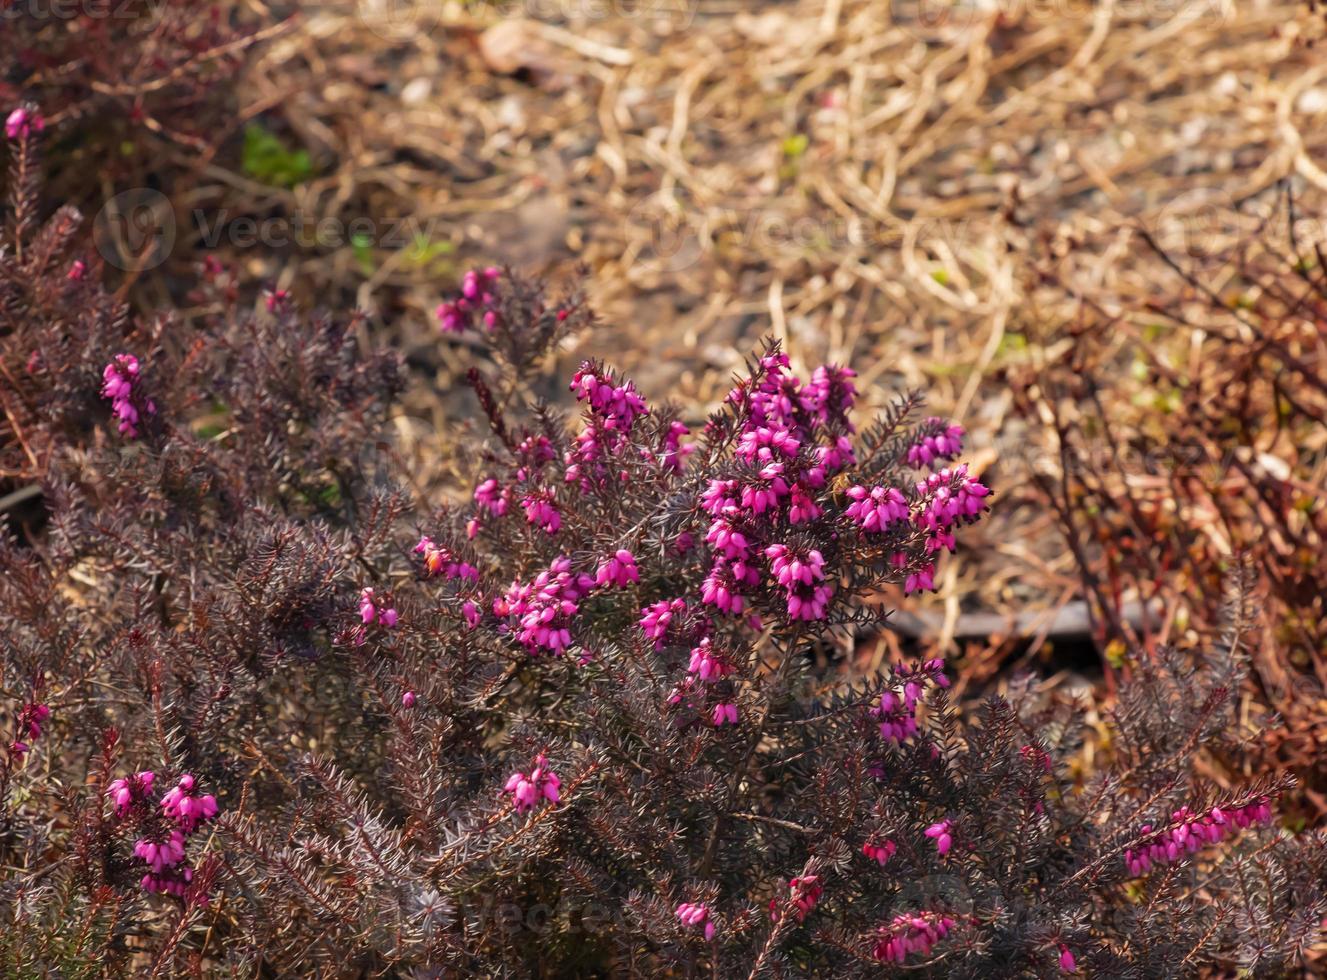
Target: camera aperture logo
(135,230)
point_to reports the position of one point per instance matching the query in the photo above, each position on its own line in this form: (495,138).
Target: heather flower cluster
(545,608)
(119,384)
(1190,832)
(375,609)
(167,828)
(440,561)
(528,791)
(803,895)
(897,710)
(939,440)
(696,915)
(22,122)
(477,301)
(31,717)
(908,934)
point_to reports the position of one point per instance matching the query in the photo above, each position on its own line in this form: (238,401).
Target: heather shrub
(138,92)
(271,714)
(1197,438)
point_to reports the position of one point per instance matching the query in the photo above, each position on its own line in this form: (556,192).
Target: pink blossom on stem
(119,384)
(879,853)
(1189,832)
(542,512)
(725,713)
(128,790)
(804,893)
(546,607)
(655,619)
(914,933)
(541,784)
(187,808)
(372,610)
(440,561)
(941,441)
(875,509)
(492,497)
(408,699)
(617,571)
(22,122)
(1067,962)
(697,916)
(941,833)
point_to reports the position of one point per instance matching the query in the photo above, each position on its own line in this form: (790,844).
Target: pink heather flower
(471,613)
(119,380)
(527,791)
(802,506)
(835,457)
(127,791)
(719,497)
(810,603)
(765,494)
(727,540)
(187,809)
(675,454)
(922,580)
(617,405)
(697,916)
(722,586)
(492,497)
(1067,962)
(725,713)
(476,297)
(879,853)
(655,619)
(618,570)
(830,394)
(763,443)
(160,855)
(804,892)
(949,496)
(22,122)
(541,512)
(1190,832)
(408,699)
(31,717)
(277,300)
(173,882)
(546,607)
(790,569)
(942,442)
(77,271)
(941,833)
(906,934)
(440,561)
(706,664)
(897,716)
(874,509)
(370,610)
(684,542)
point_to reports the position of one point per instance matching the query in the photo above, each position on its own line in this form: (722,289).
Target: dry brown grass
(885,188)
